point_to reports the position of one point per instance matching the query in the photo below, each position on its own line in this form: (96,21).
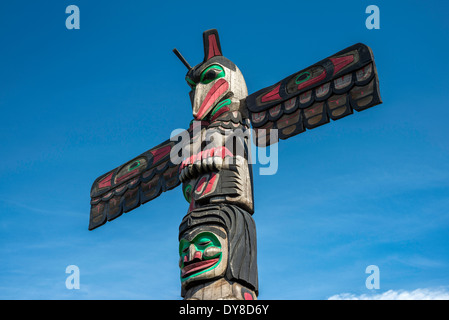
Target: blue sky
(369,189)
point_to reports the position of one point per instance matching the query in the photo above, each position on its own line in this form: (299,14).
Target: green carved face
(202,257)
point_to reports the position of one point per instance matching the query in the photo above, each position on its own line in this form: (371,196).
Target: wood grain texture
(220,289)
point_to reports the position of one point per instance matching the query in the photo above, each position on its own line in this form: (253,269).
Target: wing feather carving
(330,89)
(136,182)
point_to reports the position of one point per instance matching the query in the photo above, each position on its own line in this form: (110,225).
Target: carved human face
(212,84)
(203,254)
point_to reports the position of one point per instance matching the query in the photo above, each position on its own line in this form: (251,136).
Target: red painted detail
(120,189)
(210,184)
(213,47)
(336,101)
(106,196)
(106,182)
(160,153)
(128,175)
(184,163)
(197,255)
(198,266)
(275,110)
(192,205)
(200,185)
(192,158)
(219,112)
(287,118)
(247,296)
(222,152)
(310,82)
(341,62)
(185,259)
(199,156)
(218,152)
(205,154)
(272,95)
(220,87)
(196,124)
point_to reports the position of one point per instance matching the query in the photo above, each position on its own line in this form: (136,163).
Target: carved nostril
(197,255)
(193,256)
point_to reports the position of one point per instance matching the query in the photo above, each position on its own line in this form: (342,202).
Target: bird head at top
(214,82)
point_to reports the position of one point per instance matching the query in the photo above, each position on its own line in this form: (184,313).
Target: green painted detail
(297,81)
(212,73)
(187,192)
(191,83)
(201,242)
(220,105)
(134,165)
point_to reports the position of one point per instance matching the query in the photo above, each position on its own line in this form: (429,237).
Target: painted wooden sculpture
(217,236)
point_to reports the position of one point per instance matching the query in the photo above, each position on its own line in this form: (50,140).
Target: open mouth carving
(196,267)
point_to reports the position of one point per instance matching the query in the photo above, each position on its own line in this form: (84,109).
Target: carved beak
(207,96)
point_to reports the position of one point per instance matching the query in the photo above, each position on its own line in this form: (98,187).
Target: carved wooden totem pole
(217,236)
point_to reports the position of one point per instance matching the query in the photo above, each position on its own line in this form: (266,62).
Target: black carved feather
(329,89)
(132,184)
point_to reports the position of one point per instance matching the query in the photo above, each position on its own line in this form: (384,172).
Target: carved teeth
(191,170)
(217,158)
(183,175)
(197,165)
(204,165)
(210,164)
(217,163)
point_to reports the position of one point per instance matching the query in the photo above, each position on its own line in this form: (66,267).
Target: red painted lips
(197,266)
(220,87)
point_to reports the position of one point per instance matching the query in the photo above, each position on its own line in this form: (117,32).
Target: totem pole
(217,236)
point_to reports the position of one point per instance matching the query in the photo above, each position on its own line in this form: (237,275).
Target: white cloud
(418,294)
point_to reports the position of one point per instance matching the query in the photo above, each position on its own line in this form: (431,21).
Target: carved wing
(136,182)
(330,89)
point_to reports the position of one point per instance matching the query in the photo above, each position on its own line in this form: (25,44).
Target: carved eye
(183,247)
(302,77)
(204,243)
(211,73)
(134,165)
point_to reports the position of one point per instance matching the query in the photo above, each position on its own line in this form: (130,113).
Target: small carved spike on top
(212,45)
